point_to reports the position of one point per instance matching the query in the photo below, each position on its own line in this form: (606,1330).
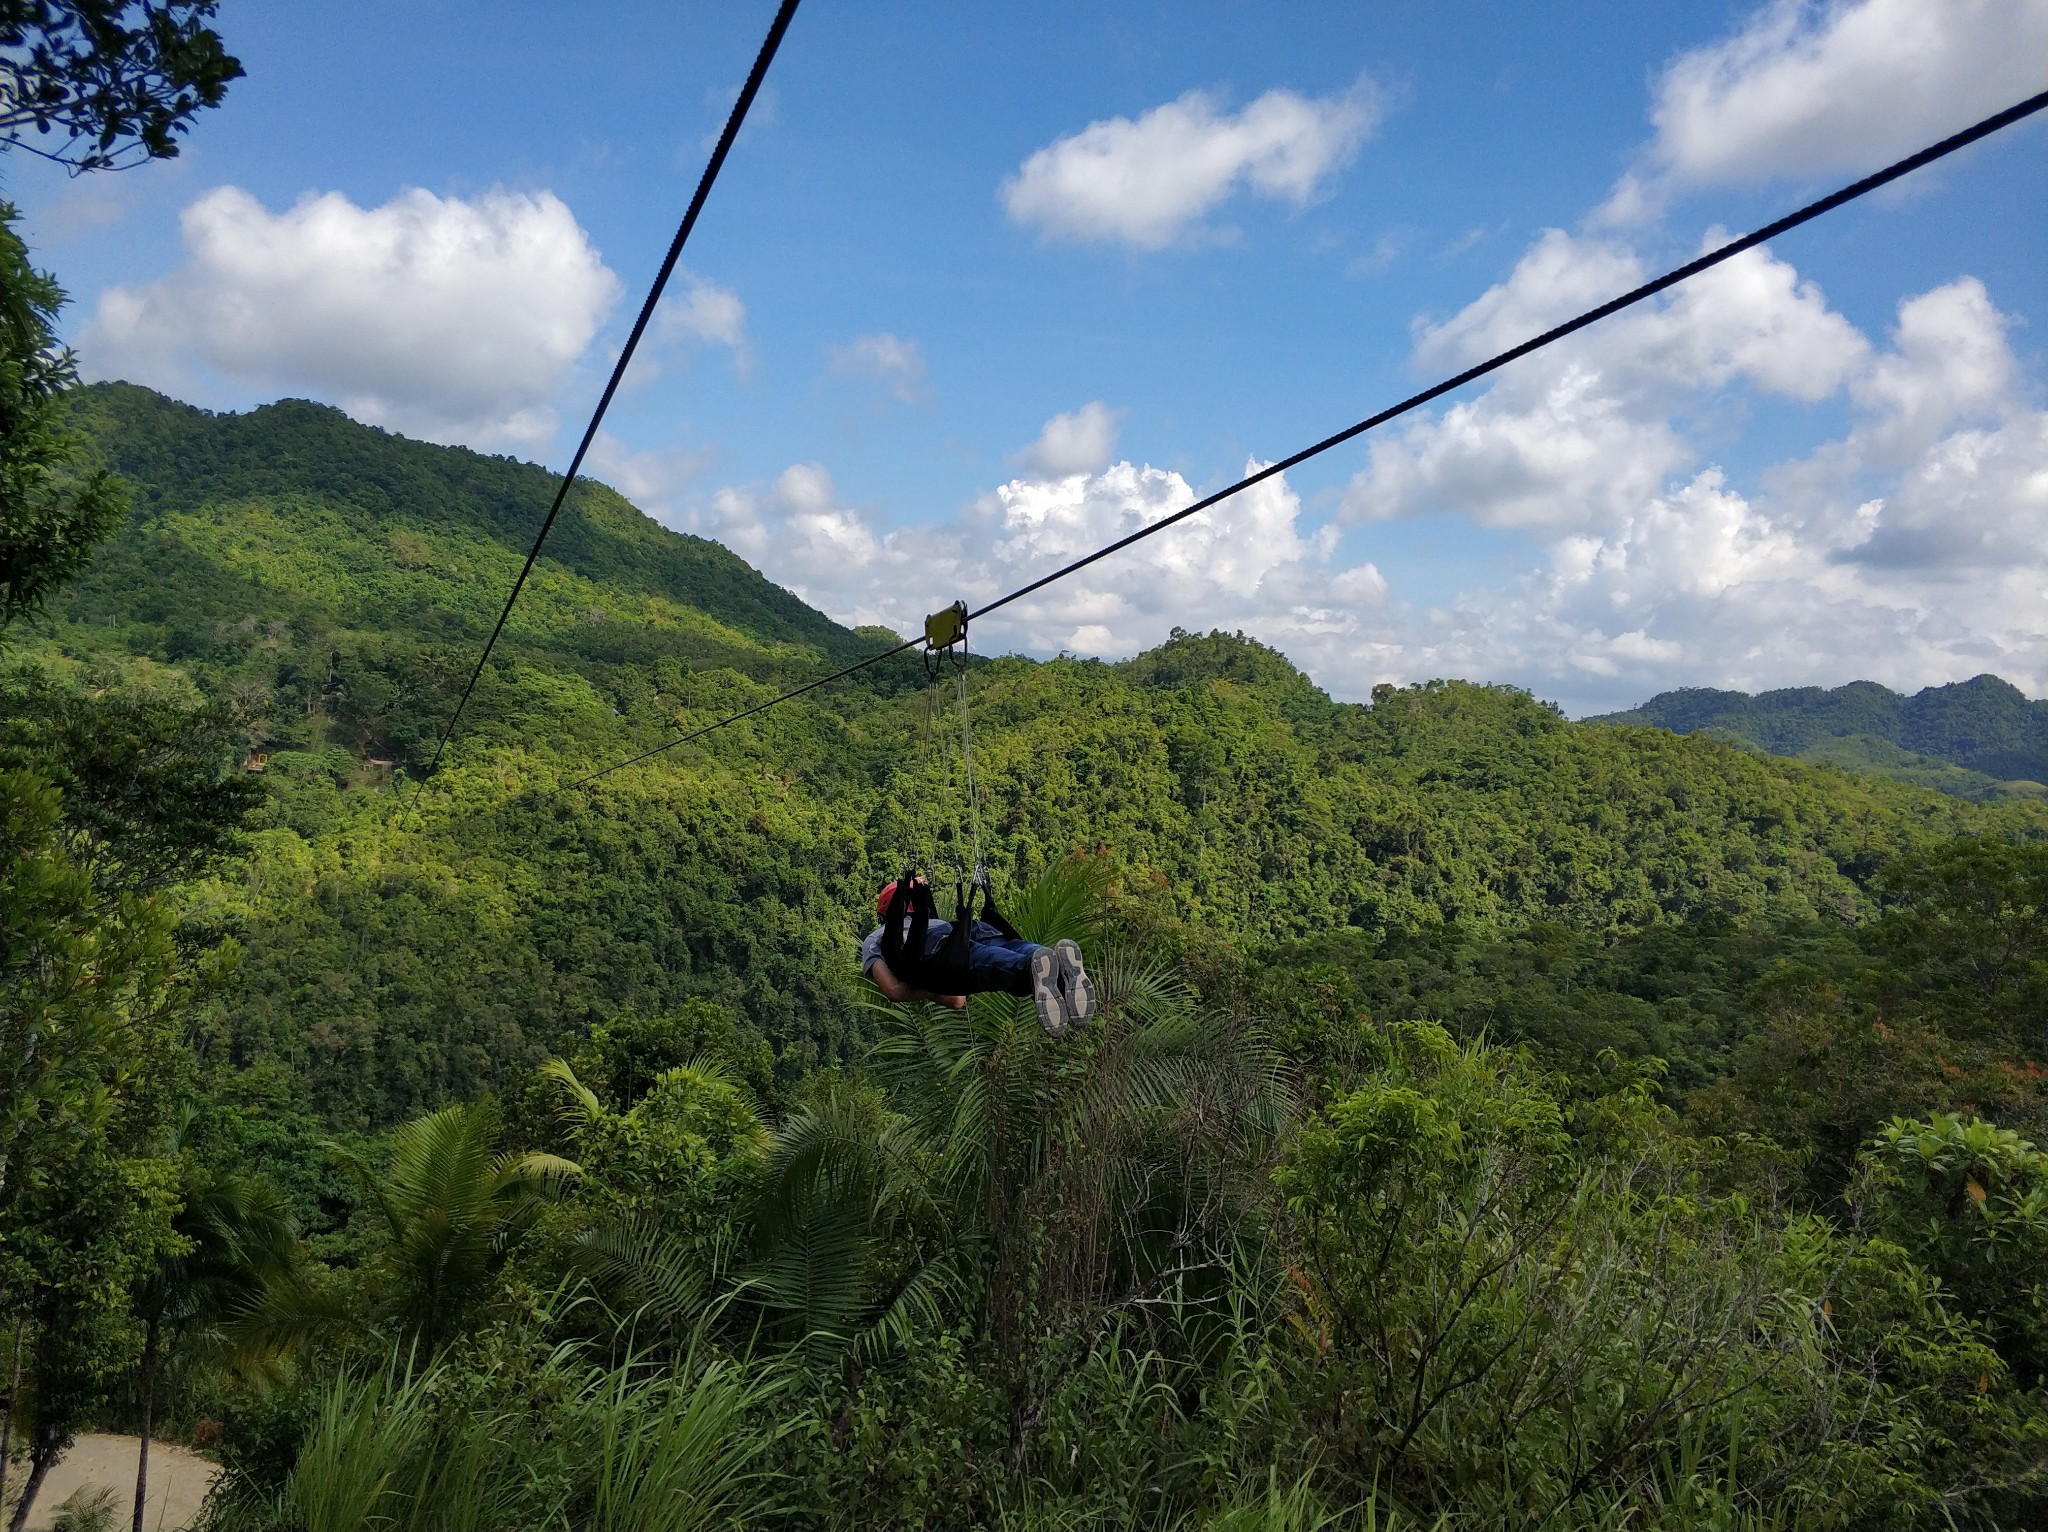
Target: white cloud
(1807,89)
(651,480)
(1147,181)
(796,530)
(1585,430)
(1950,360)
(1909,551)
(449,319)
(1080,441)
(706,312)
(1248,563)
(890,360)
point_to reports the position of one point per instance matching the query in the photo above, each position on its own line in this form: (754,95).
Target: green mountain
(1981,738)
(334,581)
(349,575)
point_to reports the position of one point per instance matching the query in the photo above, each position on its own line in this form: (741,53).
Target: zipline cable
(1769,231)
(733,121)
(759,707)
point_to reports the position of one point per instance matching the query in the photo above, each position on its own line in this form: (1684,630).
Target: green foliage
(1964,935)
(1499,1324)
(1135,1279)
(54,509)
(329,579)
(671,1158)
(85,1509)
(1938,1011)
(75,1237)
(1361,1204)
(150,795)
(1969,1201)
(568,1444)
(449,1207)
(117,81)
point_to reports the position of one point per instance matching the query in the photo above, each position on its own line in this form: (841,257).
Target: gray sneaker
(1045,991)
(1077,990)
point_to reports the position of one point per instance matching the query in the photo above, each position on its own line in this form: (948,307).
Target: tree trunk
(7,1410)
(40,1458)
(148,1382)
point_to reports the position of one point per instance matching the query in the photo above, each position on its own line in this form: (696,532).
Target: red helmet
(882,899)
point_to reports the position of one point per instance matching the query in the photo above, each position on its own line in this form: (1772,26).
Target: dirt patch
(178,1481)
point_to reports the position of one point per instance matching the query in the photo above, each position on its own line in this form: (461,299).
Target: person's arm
(902,993)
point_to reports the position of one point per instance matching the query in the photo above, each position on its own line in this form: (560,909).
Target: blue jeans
(998,962)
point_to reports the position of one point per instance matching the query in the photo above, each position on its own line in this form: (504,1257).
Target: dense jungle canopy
(1495,1120)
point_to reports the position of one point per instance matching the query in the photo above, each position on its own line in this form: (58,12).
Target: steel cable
(733,121)
(1693,268)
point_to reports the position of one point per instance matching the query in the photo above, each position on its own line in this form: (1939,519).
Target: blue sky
(984,286)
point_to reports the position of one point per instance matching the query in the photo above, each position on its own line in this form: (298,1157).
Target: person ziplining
(913,955)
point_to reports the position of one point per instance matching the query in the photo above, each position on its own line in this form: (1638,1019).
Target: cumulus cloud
(1251,562)
(456,320)
(1080,441)
(651,480)
(1907,551)
(897,364)
(796,530)
(705,312)
(1584,430)
(1148,181)
(1807,89)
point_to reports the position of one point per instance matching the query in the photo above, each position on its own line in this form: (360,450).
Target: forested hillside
(338,573)
(332,580)
(1470,1120)
(1981,738)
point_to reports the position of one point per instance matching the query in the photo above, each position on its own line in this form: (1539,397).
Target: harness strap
(967,761)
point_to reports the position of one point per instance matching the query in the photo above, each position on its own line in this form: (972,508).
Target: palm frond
(649,1275)
(923,1301)
(1064,902)
(815,1276)
(577,1105)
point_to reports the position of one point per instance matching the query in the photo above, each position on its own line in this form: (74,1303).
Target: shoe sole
(1077,990)
(1045,992)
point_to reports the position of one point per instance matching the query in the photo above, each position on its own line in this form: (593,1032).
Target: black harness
(907,918)
(906,922)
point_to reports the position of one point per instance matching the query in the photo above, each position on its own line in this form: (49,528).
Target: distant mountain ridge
(1984,728)
(341,579)
(379,487)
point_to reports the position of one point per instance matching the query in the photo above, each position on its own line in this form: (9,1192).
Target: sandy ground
(178,1481)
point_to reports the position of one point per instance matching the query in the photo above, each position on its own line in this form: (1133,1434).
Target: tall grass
(672,1453)
(627,1448)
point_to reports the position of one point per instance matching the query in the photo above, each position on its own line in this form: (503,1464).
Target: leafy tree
(54,509)
(87,1064)
(114,81)
(1969,1201)
(677,1157)
(77,1235)
(1964,938)
(450,1207)
(150,791)
(1472,1285)
(234,1237)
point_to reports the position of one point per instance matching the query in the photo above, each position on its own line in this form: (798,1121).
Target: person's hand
(957,1002)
